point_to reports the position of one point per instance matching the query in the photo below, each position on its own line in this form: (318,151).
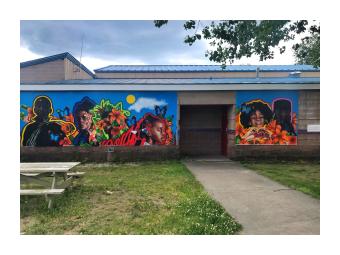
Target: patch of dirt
(26,223)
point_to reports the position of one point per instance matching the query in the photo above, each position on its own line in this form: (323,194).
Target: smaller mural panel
(270,118)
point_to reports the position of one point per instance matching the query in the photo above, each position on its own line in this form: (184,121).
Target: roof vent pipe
(257,72)
(295,74)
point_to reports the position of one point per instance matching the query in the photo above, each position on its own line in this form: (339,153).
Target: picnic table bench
(37,173)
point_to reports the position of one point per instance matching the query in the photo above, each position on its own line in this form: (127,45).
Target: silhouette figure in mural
(42,130)
(83,120)
(282,109)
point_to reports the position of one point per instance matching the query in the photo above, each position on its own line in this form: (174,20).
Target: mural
(266,117)
(98,118)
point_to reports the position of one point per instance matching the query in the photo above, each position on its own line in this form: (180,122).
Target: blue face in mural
(98,118)
(266,117)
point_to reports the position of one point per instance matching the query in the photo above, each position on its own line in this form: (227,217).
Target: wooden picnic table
(37,173)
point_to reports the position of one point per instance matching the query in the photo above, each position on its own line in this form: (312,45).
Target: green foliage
(234,39)
(301,175)
(308,52)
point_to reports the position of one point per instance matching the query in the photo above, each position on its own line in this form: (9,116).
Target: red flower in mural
(292,139)
(65,142)
(116,131)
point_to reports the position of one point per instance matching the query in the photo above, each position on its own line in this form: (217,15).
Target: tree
(234,39)
(308,52)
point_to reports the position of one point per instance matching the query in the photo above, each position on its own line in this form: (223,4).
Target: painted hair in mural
(103,123)
(266,122)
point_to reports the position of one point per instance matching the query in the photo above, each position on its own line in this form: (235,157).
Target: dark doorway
(203,130)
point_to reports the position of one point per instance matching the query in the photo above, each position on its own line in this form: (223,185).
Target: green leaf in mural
(23,106)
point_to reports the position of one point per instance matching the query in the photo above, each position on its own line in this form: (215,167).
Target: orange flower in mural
(101,124)
(29,114)
(168,137)
(280,136)
(239,130)
(69,118)
(116,115)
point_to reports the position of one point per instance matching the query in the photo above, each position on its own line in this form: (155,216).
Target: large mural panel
(98,118)
(266,117)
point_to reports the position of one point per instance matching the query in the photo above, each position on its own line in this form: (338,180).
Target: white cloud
(147,103)
(91,63)
(26,55)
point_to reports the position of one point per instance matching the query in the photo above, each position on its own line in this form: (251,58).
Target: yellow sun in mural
(130,99)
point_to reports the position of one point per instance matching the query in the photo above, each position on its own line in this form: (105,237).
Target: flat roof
(204,68)
(182,81)
(199,84)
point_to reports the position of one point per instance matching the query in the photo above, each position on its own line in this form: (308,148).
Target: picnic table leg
(52,187)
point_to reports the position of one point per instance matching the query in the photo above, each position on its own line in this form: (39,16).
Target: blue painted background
(268,96)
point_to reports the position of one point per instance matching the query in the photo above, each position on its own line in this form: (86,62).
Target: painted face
(85,120)
(257,119)
(158,131)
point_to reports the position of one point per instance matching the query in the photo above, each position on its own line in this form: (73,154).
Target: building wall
(73,72)
(309,108)
(50,71)
(203,123)
(206,98)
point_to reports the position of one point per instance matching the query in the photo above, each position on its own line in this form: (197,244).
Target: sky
(121,42)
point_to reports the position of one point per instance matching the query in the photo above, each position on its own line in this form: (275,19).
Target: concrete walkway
(261,205)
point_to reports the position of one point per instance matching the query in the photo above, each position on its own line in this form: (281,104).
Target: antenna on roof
(81,54)
(81,49)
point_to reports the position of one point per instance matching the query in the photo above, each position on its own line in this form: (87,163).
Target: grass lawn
(141,198)
(300,175)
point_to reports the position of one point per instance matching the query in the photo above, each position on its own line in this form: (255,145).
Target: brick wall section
(98,154)
(309,108)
